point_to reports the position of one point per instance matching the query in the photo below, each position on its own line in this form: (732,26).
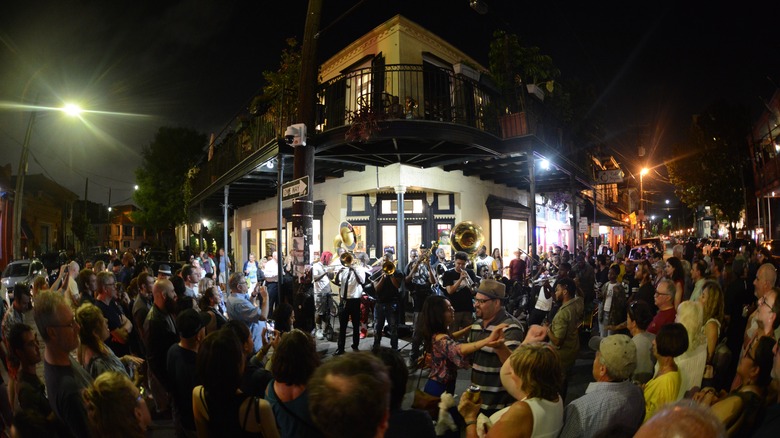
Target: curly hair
(539,369)
(110,402)
(434,319)
(689,314)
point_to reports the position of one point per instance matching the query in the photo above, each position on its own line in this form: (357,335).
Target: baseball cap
(492,288)
(189,322)
(618,353)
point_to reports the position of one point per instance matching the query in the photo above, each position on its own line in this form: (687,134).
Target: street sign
(594,229)
(583,225)
(610,176)
(295,189)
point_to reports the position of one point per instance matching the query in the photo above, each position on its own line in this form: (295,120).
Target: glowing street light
(642,174)
(72,109)
(135,187)
(68,108)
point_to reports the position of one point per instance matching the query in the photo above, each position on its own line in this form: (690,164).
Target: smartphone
(269,331)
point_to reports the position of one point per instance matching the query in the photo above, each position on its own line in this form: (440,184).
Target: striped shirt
(486,365)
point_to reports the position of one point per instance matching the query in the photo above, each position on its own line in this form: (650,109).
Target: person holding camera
(240,307)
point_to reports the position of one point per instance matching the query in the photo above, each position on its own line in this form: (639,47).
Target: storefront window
(508,235)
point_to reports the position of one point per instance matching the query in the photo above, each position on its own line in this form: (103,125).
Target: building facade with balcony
(406,120)
(764,144)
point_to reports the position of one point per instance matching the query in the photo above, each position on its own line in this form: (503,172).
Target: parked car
(656,241)
(21,271)
(637,252)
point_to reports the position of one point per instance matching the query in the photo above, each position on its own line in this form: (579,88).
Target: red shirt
(517,270)
(662,318)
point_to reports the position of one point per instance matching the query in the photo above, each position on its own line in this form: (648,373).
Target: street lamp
(642,174)
(70,109)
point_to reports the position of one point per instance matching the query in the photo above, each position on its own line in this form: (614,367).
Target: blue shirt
(241,309)
(604,404)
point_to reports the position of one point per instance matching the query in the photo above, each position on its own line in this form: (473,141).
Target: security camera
(295,135)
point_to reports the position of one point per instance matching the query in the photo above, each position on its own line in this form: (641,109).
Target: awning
(499,208)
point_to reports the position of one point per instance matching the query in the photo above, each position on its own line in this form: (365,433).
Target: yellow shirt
(660,391)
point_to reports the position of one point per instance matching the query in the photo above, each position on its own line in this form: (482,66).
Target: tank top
(548,417)
(227,421)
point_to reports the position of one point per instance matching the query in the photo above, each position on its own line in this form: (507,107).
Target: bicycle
(332,313)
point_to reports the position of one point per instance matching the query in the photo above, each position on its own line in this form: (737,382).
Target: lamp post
(69,109)
(642,174)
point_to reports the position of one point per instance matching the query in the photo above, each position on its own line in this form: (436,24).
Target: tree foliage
(83,230)
(708,167)
(162,177)
(280,91)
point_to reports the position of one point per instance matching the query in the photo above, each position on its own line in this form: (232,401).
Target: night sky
(198,63)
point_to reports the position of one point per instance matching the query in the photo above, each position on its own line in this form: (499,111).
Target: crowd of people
(680,343)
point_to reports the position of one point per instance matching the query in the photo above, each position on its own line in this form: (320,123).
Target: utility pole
(19,191)
(303,163)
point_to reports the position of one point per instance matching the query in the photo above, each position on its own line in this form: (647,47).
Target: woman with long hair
(295,360)
(447,355)
(93,353)
(693,361)
(115,407)
(674,271)
(712,304)
(219,406)
(498,264)
(533,376)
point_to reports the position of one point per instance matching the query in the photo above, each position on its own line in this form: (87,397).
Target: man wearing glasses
(64,377)
(489,307)
(664,300)
(119,325)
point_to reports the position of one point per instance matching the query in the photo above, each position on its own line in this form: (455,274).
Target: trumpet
(388,267)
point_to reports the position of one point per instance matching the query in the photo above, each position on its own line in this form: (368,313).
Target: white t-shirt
(608,299)
(323,284)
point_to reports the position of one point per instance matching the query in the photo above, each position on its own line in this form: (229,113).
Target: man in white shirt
(350,281)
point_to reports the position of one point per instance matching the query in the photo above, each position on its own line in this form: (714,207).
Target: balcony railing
(408,91)
(384,93)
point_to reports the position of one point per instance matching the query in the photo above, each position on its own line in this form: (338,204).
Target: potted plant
(517,71)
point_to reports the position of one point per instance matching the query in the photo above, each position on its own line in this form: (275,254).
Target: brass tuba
(467,237)
(348,242)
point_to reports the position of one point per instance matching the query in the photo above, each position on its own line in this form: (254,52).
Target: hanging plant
(558,201)
(364,124)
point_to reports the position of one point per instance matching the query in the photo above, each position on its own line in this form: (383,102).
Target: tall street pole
(303,158)
(19,192)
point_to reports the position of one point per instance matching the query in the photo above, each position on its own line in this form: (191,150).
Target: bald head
(765,279)
(73,269)
(684,419)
